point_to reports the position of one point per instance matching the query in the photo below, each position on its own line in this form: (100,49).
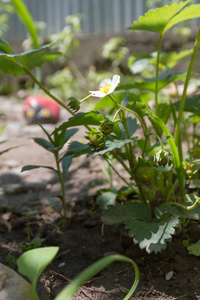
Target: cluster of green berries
(97,137)
(189,169)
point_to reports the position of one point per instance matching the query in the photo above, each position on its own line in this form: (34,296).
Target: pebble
(13,286)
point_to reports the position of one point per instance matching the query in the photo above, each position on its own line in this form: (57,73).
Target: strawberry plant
(125,127)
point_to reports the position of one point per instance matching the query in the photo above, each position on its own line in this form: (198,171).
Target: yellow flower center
(105,89)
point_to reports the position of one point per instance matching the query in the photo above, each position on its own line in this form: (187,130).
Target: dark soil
(85,240)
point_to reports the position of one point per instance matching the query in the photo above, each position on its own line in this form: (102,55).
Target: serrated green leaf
(188,13)
(152,236)
(9,66)
(13,63)
(88,118)
(24,55)
(118,213)
(38,59)
(112,143)
(158,19)
(32,167)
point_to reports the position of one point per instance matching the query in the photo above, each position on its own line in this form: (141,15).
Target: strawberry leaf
(152,236)
(112,143)
(158,19)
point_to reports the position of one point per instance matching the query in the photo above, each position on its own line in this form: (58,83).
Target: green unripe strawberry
(106,127)
(196,152)
(74,104)
(144,172)
(96,138)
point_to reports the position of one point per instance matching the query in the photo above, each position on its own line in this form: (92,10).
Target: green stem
(178,164)
(122,178)
(134,113)
(129,148)
(115,115)
(157,73)
(194,205)
(182,103)
(62,190)
(47,92)
(28,230)
(80,101)
(145,144)
(120,160)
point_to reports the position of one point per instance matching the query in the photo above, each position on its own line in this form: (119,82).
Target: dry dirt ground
(83,242)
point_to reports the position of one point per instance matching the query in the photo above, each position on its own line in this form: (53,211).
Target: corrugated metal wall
(100,16)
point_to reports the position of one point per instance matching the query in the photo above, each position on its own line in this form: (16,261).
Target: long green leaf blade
(68,292)
(33,262)
(27,20)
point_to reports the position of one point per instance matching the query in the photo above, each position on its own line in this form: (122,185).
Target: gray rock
(13,286)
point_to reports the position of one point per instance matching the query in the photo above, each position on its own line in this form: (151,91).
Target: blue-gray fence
(99,16)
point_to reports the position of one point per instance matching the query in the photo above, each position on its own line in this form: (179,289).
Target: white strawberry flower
(107,86)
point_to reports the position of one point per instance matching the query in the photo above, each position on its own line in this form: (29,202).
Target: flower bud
(74,104)
(163,158)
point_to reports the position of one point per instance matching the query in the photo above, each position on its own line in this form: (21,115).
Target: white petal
(115,80)
(104,82)
(97,94)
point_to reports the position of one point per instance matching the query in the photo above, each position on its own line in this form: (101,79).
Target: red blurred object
(41,109)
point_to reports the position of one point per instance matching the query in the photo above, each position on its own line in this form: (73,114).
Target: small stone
(13,286)
(11,163)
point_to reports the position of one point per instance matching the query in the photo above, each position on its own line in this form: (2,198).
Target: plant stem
(157,74)
(62,190)
(47,92)
(121,162)
(177,161)
(182,103)
(134,113)
(120,175)
(147,137)
(128,147)
(80,101)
